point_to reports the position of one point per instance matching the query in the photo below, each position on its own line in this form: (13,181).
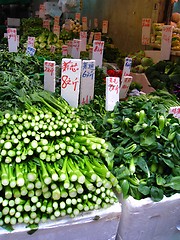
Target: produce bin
(95,225)
(148,220)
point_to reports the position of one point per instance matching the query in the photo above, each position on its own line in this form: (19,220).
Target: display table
(148,220)
(95,225)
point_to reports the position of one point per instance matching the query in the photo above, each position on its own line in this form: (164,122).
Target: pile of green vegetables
(146,141)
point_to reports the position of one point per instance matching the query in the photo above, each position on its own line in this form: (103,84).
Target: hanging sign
(146,31)
(12,39)
(84,23)
(125,84)
(64,50)
(30,51)
(42,11)
(87,81)
(70,80)
(49,75)
(97,36)
(97,55)
(112,92)
(69,43)
(30,42)
(175,111)
(91,38)
(104,26)
(78,16)
(56,30)
(166,40)
(56,20)
(46,24)
(95,23)
(126,68)
(83,38)
(76,44)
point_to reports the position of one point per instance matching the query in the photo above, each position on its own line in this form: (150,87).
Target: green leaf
(143,189)
(8,227)
(168,162)
(156,194)
(143,165)
(174,183)
(160,180)
(33,227)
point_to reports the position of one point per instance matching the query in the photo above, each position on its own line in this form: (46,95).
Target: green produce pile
(11,62)
(146,143)
(52,165)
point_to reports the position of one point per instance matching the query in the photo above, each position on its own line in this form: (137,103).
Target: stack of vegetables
(146,141)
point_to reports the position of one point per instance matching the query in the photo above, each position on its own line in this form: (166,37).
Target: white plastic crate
(95,225)
(148,220)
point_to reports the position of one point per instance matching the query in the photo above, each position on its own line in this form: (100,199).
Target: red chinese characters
(67,81)
(12,33)
(146,22)
(49,67)
(99,45)
(113,85)
(70,66)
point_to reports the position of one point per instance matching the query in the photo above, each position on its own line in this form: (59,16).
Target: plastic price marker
(166,42)
(64,50)
(105,26)
(125,84)
(12,39)
(83,38)
(70,80)
(87,81)
(30,42)
(112,92)
(49,75)
(97,55)
(146,31)
(76,45)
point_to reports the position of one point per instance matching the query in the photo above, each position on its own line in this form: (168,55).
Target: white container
(95,225)
(148,220)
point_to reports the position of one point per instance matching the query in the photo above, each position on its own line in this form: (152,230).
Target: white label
(64,50)
(125,84)
(84,23)
(175,111)
(77,16)
(97,36)
(53,49)
(91,38)
(90,52)
(76,44)
(69,43)
(166,42)
(30,51)
(17,40)
(56,20)
(42,11)
(97,55)
(112,92)
(31,41)
(12,39)
(70,80)
(104,26)
(49,75)
(46,24)
(67,24)
(56,30)
(87,81)
(95,23)
(146,31)
(83,38)
(5,35)
(127,67)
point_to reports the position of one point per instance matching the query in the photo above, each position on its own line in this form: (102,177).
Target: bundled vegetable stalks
(52,165)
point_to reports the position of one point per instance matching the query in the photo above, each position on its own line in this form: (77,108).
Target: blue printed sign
(30,51)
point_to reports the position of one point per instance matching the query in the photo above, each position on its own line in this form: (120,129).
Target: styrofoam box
(94,225)
(148,220)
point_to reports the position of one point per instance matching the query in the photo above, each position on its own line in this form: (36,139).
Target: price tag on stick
(126,68)
(125,84)
(104,26)
(146,31)
(76,47)
(30,51)
(64,50)
(97,55)
(87,81)
(49,75)
(83,38)
(166,42)
(84,23)
(70,80)
(31,41)
(112,92)
(175,111)
(12,39)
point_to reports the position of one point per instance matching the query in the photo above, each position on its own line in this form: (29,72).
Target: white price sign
(175,111)
(146,31)
(31,41)
(166,42)
(70,80)
(30,51)
(76,45)
(97,36)
(49,75)
(41,11)
(84,23)
(64,50)
(112,92)
(46,24)
(69,43)
(97,55)
(104,26)
(77,16)
(87,81)
(12,39)
(56,30)
(127,67)
(125,84)
(56,20)
(95,23)
(83,38)
(90,52)
(91,38)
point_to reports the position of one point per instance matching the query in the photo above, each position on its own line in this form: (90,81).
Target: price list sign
(125,84)
(166,42)
(97,55)
(70,80)
(49,75)
(146,31)
(12,39)
(76,47)
(83,38)
(87,81)
(112,92)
